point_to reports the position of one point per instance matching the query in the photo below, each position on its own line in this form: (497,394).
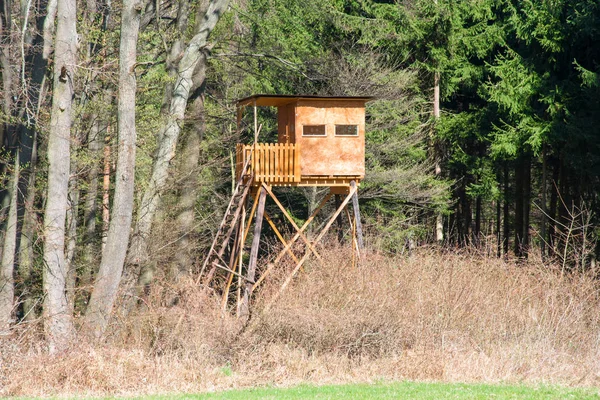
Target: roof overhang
(277,100)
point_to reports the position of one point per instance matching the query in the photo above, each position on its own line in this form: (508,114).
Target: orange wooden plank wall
(331,155)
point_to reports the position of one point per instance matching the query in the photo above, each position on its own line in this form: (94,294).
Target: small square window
(346,130)
(314,130)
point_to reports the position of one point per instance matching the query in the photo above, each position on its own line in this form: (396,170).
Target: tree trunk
(27,217)
(183,11)
(310,193)
(339,221)
(468,216)
(564,206)
(544,207)
(91,197)
(7,71)
(113,257)
(94,146)
(551,238)
(526,203)
(187,199)
(463,215)
(58,320)
(519,201)
(71,233)
(477,231)
(7,135)
(439,221)
(49,27)
(498,229)
(106,186)
(26,253)
(7,288)
(169,134)
(506,211)
(28,229)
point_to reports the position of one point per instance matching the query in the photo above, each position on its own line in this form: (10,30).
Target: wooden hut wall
(330,154)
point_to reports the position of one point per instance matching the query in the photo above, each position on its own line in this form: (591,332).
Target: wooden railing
(270,162)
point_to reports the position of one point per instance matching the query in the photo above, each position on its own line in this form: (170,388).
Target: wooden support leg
(354,244)
(244,306)
(240,262)
(340,226)
(352,232)
(235,254)
(359,232)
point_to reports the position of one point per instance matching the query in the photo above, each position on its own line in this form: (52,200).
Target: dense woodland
(118,129)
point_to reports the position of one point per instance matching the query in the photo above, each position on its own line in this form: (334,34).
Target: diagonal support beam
(353,190)
(280,236)
(291,221)
(292,240)
(244,311)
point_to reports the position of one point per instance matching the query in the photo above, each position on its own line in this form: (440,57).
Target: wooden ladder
(231,219)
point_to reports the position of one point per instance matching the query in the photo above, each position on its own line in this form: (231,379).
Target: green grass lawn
(402,390)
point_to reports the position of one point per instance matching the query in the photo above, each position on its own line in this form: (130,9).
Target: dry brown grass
(431,316)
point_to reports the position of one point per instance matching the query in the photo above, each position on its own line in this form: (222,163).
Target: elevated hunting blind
(320,142)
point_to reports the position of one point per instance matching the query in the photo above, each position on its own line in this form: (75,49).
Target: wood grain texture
(331,155)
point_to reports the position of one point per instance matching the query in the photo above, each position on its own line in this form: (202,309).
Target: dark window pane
(313,130)
(346,130)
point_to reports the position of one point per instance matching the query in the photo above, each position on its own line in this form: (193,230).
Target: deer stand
(320,142)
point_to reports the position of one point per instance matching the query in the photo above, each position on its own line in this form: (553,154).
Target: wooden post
(244,306)
(340,225)
(233,257)
(255,124)
(359,233)
(354,244)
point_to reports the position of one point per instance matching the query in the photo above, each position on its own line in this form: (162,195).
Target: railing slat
(296,165)
(277,159)
(271,162)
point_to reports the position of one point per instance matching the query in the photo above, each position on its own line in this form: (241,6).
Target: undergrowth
(429,316)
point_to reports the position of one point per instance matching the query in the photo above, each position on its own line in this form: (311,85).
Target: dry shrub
(433,315)
(483,317)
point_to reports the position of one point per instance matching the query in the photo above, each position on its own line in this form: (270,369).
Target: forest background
(118,129)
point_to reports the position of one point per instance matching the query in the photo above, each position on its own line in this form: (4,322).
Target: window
(314,130)
(346,130)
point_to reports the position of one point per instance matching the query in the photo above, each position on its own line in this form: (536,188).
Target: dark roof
(275,100)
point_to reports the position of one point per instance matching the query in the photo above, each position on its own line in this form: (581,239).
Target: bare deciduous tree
(58,320)
(8,254)
(188,64)
(113,256)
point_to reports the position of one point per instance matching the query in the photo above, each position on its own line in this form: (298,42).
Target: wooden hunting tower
(320,142)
